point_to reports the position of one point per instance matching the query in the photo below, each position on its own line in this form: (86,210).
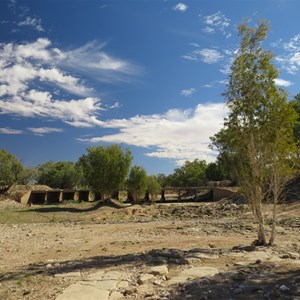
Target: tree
(10,168)
(153,187)
(29,175)
(105,168)
(60,174)
(215,172)
(137,183)
(190,174)
(258,134)
(296,105)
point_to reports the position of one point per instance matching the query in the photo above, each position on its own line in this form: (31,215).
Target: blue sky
(147,74)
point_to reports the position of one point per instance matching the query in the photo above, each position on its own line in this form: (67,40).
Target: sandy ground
(39,242)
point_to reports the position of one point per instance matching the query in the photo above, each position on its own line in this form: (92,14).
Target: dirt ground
(39,242)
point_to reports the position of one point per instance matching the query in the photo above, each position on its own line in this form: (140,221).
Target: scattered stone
(159,270)
(123,284)
(247,248)
(145,278)
(285,256)
(293,255)
(158,282)
(283,288)
(116,296)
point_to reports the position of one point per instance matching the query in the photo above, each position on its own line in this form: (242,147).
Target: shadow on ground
(62,208)
(250,282)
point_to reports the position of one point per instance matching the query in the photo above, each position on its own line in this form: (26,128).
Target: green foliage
(215,172)
(60,174)
(190,174)
(10,168)
(163,180)
(153,187)
(29,175)
(137,183)
(258,137)
(105,168)
(295,103)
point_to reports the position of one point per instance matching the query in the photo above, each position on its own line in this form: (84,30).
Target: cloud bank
(27,70)
(178,134)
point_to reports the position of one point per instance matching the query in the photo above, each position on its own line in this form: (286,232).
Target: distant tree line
(107,170)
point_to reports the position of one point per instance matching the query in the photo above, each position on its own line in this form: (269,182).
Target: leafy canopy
(105,168)
(10,168)
(137,182)
(60,174)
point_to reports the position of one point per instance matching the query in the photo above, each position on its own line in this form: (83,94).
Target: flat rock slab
(251,256)
(79,292)
(195,272)
(69,275)
(100,275)
(116,296)
(109,284)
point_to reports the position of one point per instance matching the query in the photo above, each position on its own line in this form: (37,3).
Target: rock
(108,284)
(69,275)
(159,270)
(285,256)
(158,282)
(145,278)
(293,255)
(123,284)
(164,294)
(96,276)
(195,272)
(200,272)
(283,288)
(238,290)
(116,295)
(79,292)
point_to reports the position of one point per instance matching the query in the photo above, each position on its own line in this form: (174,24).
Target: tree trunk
(261,237)
(274,215)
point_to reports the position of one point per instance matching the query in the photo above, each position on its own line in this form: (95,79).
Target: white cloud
(28,69)
(215,82)
(209,56)
(188,92)
(217,21)
(290,61)
(44,130)
(208,30)
(282,82)
(8,130)
(91,60)
(180,7)
(33,22)
(178,134)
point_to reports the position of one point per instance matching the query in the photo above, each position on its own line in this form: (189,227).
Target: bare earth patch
(47,250)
